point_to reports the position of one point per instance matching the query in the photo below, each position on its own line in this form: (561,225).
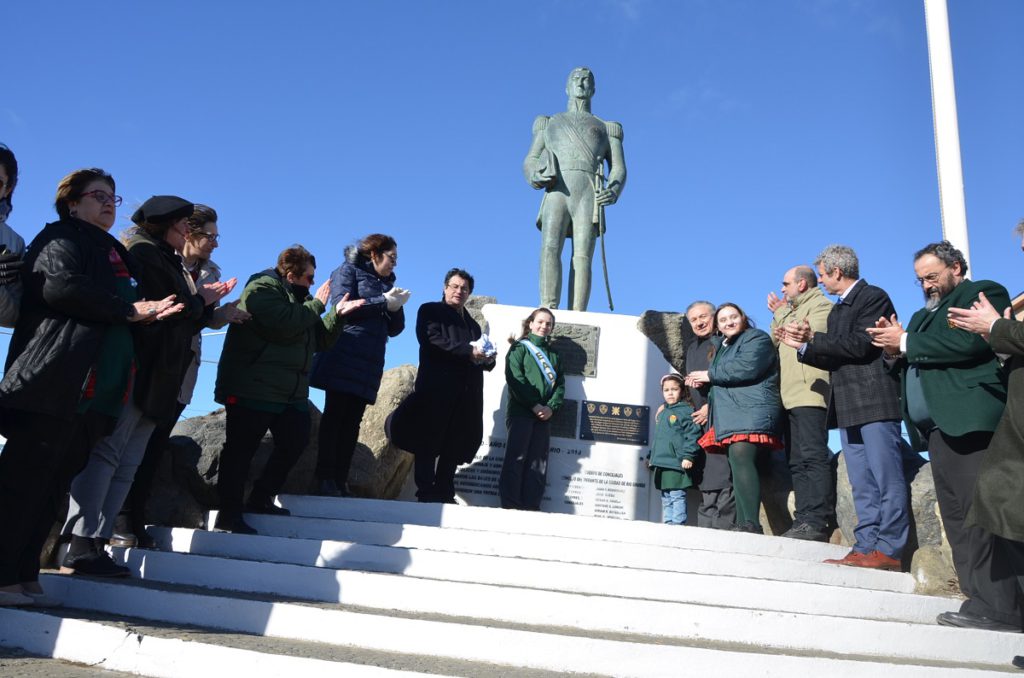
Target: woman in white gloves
(350,372)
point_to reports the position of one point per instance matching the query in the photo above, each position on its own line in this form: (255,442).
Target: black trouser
(1008,562)
(41,456)
(810,466)
(435,477)
(339,433)
(245,428)
(142,486)
(524,471)
(955,462)
(717,509)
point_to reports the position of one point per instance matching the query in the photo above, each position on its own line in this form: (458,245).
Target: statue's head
(580,84)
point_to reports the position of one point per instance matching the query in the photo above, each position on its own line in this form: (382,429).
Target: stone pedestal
(601,435)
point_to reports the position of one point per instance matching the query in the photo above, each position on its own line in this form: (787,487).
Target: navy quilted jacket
(355,363)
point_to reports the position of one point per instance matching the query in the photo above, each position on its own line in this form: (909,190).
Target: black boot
(261,503)
(87,556)
(328,488)
(124,536)
(748,527)
(232,522)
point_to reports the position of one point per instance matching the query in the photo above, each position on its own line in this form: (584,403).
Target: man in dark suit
(863,403)
(953,397)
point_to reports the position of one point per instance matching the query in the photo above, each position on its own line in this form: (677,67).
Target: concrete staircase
(361,587)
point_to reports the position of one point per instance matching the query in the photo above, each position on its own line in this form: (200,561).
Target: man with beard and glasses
(953,395)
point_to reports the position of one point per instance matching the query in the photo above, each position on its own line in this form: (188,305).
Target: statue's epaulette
(540,123)
(614,130)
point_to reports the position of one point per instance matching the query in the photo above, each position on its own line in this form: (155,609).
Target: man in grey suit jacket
(863,404)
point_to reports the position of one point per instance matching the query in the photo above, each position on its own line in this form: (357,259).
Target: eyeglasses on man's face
(212,237)
(102,197)
(459,288)
(931,278)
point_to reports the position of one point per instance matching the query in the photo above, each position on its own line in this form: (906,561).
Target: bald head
(798,280)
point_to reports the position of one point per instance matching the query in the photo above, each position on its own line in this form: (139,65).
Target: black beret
(161,209)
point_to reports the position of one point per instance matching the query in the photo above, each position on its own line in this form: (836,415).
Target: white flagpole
(947,133)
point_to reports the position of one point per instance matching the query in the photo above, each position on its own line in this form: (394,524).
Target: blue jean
(673,507)
(874,464)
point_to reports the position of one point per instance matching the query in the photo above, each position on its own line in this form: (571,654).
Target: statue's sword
(599,220)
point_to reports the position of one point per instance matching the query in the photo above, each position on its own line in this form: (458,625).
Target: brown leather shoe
(852,559)
(876,560)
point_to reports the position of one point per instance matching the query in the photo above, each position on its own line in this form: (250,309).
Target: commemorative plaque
(614,423)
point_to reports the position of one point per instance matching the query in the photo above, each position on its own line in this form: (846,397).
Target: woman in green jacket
(536,387)
(263,380)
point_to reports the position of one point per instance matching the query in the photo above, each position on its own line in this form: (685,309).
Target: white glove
(396,298)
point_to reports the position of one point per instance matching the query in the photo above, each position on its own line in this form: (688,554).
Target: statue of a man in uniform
(567,159)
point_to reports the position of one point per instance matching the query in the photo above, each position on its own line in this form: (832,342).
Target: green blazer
(963,384)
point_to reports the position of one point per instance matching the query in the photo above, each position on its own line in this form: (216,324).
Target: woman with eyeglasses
(441,422)
(12,246)
(263,380)
(201,239)
(68,368)
(350,372)
(162,354)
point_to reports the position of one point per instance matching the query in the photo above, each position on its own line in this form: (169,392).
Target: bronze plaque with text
(614,423)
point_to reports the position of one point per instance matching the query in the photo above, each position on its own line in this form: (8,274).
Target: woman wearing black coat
(441,422)
(67,368)
(350,372)
(162,354)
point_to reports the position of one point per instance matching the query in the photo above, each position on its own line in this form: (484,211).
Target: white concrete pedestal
(585,477)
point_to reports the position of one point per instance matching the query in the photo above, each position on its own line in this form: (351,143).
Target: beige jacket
(802,385)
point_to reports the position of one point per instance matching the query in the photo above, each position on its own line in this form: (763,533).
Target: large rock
(927,555)
(474,306)
(186,481)
(776,512)
(379,468)
(670,332)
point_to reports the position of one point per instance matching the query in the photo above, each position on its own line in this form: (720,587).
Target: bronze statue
(567,159)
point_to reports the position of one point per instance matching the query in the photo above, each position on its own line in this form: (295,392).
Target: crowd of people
(951,376)
(106,348)
(105,354)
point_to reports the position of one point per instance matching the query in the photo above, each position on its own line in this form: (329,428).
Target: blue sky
(756,133)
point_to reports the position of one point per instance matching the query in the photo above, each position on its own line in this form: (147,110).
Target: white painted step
(521,571)
(693,625)
(486,519)
(584,551)
(528,606)
(119,649)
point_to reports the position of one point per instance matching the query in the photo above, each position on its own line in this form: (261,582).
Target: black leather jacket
(68,302)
